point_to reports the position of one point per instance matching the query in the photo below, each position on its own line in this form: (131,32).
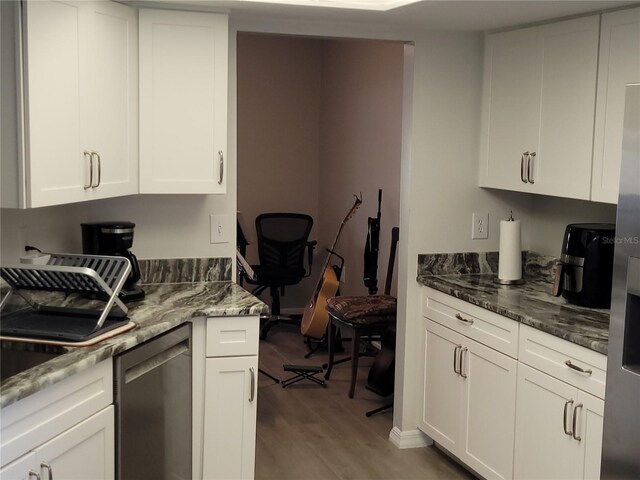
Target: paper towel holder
(499,281)
(508,282)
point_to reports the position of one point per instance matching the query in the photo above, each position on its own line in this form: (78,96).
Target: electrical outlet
(479,225)
(220,229)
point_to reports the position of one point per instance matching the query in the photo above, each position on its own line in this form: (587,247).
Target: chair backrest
(282,238)
(395,235)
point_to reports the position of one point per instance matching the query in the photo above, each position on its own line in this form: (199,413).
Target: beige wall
(319,120)
(360,149)
(279,90)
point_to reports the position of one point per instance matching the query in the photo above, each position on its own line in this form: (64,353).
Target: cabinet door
(113,99)
(443,387)
(84,451)
(589,430)
(183,102)
(489,416)
(230,418)
(542,448)
(511,107)
(55,54)
(569,62)
(19,469)
(619,64)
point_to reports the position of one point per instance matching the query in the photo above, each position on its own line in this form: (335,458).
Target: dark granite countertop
(531,304)
(165,306)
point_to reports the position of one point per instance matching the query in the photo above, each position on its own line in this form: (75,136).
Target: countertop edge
(437,283)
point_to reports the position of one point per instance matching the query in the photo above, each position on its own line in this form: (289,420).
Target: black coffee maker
(583,275)
(114,238)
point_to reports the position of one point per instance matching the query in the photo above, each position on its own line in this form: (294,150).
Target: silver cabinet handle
(575,417)
(455,359)
(253,384)
(531,157)
(47,467)
(522,169)
(85,153)
(465,320)
(33,474)
(221,176)
(99,170)
(564,417)
(577,368)
(462,374)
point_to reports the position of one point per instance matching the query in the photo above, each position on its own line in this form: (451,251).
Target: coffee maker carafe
(114,238)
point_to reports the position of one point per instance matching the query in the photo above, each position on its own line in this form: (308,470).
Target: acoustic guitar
(315,317)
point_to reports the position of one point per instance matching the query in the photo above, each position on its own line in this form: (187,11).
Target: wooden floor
(309,432)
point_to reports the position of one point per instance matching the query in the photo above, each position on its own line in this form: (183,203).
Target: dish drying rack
(98,277)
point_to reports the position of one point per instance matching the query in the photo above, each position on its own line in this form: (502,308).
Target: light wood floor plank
(309,432)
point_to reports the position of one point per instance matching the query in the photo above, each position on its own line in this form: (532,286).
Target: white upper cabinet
(538,108)
(113,98)
(80,102)
(619,65)
(183,102)
(511,107)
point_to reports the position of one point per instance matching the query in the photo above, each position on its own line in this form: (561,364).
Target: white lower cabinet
(66,431)
(508,400)
(558,429)
(230,419)
(469,400)
(230,398)
(85,451)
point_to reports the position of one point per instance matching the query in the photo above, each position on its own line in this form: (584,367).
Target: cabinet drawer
(34,420)
(232,336)
(483,326)
(550,354)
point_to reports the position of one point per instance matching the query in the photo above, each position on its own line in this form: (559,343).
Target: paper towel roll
(510,259)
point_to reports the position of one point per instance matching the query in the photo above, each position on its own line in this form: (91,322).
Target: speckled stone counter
(531,304)
(165,306)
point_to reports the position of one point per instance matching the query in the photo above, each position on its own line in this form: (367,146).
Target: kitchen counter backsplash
(534,264)
(185,270)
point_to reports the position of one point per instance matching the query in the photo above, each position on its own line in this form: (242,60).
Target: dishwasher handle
(156,361)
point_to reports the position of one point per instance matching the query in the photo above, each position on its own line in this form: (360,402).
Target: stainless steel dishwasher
(153,408)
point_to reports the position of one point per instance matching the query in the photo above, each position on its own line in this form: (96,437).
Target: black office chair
(282,241)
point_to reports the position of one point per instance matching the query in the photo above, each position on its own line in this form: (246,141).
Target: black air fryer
(585,270)
(114,238)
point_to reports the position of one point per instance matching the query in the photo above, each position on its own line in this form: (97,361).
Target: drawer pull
(575,416)
(577,368)
(564,418)
(47,467)
(465,320)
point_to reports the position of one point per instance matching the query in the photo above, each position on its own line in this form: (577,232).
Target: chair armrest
(310,247)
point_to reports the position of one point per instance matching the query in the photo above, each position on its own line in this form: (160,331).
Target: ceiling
(468,15)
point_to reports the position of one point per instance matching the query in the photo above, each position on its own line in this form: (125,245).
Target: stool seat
(363,310)
(362,316)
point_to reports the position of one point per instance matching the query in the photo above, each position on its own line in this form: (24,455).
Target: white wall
(167,226)
(550,216)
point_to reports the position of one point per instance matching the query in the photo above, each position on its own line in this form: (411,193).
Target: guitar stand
(277,380)
(379,409)
(302,372)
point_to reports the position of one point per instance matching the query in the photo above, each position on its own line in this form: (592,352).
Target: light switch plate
(220,228)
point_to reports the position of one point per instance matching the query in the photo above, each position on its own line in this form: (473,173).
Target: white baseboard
(409,438)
